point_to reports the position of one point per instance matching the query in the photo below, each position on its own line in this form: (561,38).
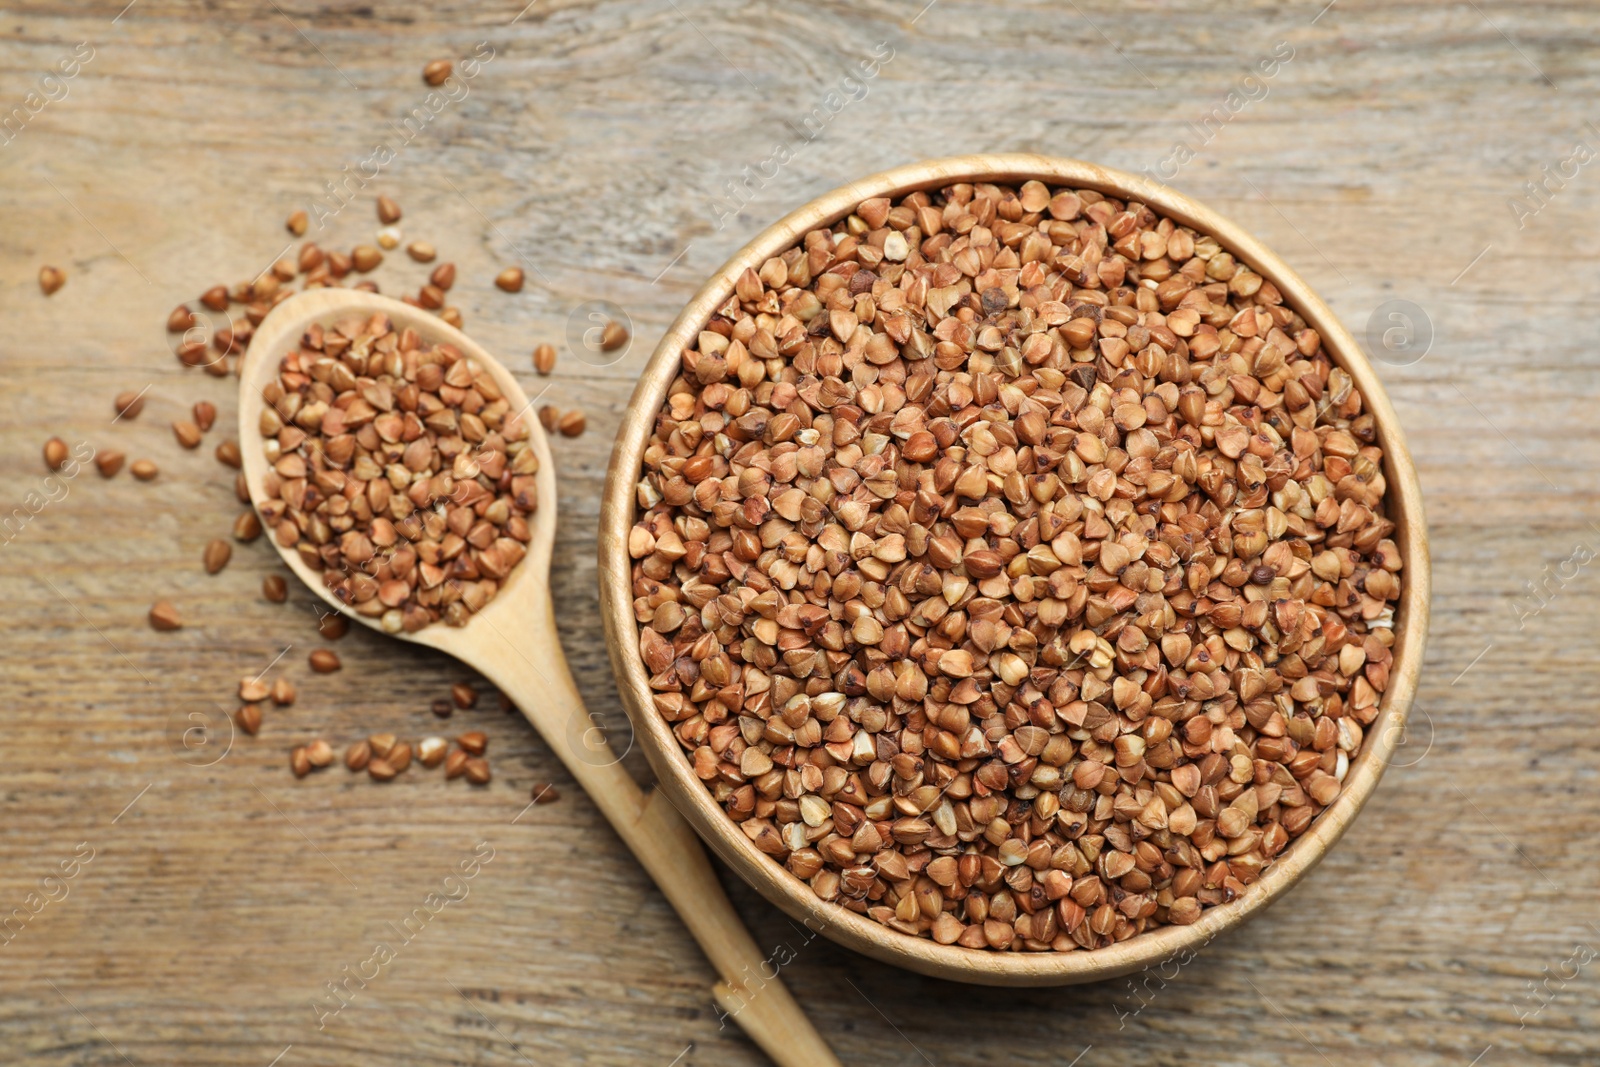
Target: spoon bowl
(513,642)
(526,587)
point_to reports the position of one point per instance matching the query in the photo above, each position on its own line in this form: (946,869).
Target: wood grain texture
(596,146)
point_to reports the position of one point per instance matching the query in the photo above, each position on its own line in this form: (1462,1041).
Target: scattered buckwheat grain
(544,358)
(216,555)
(613,337)
(248,719)
(128,404)
(247,527)
(572,423)
(358,755)
(431,751)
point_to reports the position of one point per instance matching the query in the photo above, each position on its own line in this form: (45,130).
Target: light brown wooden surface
(597,144)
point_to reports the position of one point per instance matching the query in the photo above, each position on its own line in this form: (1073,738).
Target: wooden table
(596,148)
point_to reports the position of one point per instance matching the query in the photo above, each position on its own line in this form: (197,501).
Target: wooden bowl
(1403,504)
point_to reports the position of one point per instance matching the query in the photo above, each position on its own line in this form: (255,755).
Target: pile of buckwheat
(1012,567)
(398,470)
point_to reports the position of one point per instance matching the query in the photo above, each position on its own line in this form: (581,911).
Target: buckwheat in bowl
(1014,570)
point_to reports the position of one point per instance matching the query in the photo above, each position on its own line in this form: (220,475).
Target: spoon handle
(533,672)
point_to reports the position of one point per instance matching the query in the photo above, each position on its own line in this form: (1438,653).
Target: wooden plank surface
(1454,920)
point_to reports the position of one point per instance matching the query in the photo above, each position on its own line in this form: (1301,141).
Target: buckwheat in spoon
(405,479)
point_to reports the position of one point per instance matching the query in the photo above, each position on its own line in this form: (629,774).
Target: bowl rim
(923,955)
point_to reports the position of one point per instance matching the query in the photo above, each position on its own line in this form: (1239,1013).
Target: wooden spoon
(513,643)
